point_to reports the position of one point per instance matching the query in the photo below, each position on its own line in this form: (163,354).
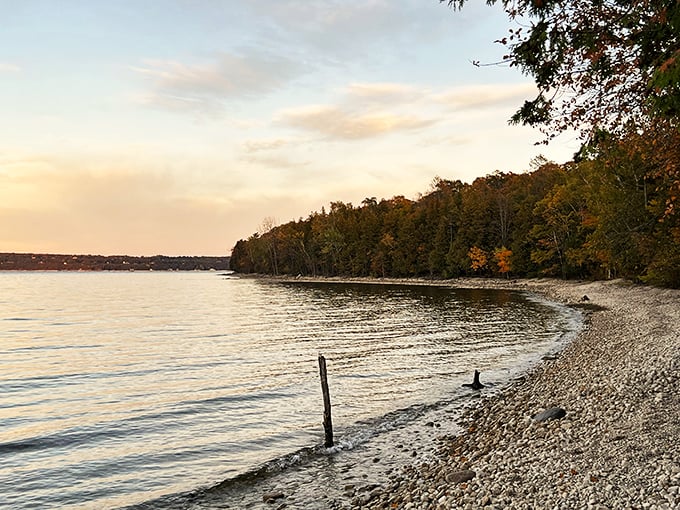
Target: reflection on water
(120,388)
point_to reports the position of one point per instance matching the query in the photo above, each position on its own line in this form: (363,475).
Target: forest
(609,213)
(609,70)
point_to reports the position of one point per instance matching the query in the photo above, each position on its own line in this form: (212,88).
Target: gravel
(617,445)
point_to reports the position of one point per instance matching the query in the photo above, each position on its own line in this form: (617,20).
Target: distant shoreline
(61,262)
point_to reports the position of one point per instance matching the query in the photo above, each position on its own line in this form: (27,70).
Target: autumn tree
(381,263)
(612,212)
(560,231)
(596,63)
(502,257)
(478,259)
(630,186)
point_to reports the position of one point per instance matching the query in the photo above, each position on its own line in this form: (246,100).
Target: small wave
(241,481)
(246,397)
(346,440)
(18,446)
(70,438)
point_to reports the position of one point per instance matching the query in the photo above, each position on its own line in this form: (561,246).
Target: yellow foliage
(502,257)
(478,258)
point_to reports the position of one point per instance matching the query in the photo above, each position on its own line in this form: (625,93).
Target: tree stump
(475,385)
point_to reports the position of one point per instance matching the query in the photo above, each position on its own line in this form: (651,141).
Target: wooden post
(476,385)
(327,423)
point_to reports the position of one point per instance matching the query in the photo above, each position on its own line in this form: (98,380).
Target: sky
(178,127)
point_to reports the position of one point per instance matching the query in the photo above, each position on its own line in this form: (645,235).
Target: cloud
(365,110)
(62,207)
(451,141)
(486,96)
(338,29)
(383,93)
(279,163)
(268,144)
(362,111)
(210,108)
(6,67)
(337,123)
(205,88)
(274,154)
(109,203)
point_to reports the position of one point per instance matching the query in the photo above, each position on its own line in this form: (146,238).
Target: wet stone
(552,413)
(271,497)
(460,476)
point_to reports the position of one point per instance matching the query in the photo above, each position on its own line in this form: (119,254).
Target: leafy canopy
(597,64)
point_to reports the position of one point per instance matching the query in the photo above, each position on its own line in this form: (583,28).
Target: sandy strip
(618,447)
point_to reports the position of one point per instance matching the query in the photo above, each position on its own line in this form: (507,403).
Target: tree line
(57,262)
(609,213)
(609,70)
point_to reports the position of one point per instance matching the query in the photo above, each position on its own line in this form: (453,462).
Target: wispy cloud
(339,29)
(366,110)
(383,93)
(205,88)
(277,162)
(362,111)
(337,123)
(6,67)
(486,96)
(268,144)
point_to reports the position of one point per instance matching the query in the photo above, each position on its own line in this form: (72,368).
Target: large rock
(271,497)
(460,476)
(552,413)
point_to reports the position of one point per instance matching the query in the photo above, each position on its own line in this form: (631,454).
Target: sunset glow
(174,127)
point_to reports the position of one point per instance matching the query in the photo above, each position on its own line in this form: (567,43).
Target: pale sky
(176,127)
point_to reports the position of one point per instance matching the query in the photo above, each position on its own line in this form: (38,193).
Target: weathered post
(327,423)
(475,385)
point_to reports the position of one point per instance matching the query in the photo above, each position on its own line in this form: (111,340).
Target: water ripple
(168,389)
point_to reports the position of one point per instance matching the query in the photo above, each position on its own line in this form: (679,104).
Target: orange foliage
(478,258)
(502,257)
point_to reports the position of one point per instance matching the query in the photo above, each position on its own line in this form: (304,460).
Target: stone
(460,476)
(552,413)
(271,497)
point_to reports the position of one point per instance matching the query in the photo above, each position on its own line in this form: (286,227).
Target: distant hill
(52,262)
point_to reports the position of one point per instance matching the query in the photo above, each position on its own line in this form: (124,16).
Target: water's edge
(366,455)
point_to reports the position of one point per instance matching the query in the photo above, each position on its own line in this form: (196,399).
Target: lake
(201,390)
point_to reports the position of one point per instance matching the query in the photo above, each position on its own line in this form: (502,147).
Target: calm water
(195,390)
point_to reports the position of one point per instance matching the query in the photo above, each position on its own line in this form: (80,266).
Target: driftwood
(327,422)
(475,385)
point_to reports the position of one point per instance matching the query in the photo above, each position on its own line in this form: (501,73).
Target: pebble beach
(614,440)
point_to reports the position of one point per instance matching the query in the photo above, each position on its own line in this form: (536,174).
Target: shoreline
(618,447)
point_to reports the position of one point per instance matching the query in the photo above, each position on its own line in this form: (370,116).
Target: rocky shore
(617,445)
